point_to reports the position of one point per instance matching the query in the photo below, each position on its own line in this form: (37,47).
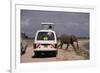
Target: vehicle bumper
(45,53)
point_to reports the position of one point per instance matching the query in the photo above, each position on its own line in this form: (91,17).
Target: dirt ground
(63,54)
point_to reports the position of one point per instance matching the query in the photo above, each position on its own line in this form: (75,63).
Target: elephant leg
(67,46)
(73,46)
(61,45)
(78,46)
(77,49)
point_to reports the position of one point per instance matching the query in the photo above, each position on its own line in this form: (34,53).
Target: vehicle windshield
(45,36)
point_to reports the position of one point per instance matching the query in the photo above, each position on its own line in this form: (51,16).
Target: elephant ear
(74,38)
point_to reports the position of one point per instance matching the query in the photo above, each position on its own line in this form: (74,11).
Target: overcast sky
(65,22)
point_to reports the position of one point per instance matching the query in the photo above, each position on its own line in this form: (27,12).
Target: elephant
(69,40)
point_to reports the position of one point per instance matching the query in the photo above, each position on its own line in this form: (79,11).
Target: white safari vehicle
(45,43)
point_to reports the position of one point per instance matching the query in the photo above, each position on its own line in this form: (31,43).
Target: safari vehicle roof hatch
(47,25)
